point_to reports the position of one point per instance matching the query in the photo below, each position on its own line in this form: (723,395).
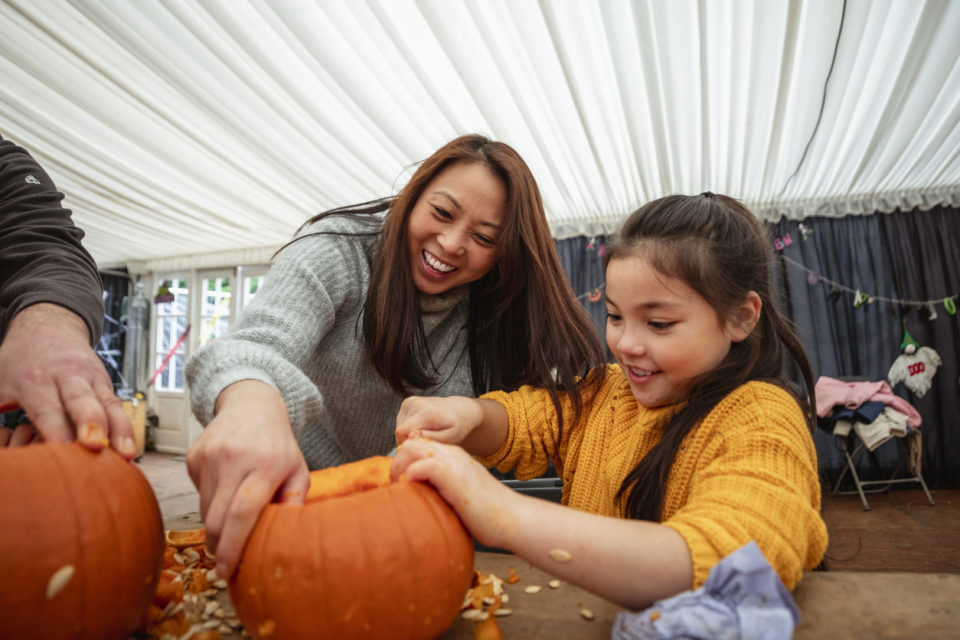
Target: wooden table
(833,604)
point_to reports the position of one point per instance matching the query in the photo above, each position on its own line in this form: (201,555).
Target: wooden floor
(900,532)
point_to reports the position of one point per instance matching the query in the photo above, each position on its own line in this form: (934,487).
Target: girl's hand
(442,419)
(630,562)
(244,457)
(485,505)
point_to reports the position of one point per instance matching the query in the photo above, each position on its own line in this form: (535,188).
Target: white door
(170,349)
(208,314)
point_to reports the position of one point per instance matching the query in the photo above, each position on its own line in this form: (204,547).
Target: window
(209,312)
(251,281)
(171,325)
(214,308)
(250,287)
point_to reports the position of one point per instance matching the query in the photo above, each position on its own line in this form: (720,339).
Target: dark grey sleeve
(41,255)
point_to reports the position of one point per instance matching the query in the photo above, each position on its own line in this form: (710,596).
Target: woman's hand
(485,505)
(245,457)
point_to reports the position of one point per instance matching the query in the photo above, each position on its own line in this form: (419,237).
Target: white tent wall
(183,128)
(196,135)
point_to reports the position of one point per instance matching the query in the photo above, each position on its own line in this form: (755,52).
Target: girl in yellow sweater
(694,444)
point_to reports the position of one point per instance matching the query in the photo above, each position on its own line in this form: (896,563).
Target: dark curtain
(116,288)
(907,257)
(904,256)
(582,259)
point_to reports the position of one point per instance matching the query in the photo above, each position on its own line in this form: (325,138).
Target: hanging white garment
(916,370)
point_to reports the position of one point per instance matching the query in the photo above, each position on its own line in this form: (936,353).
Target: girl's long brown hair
(722,251)
(525,324)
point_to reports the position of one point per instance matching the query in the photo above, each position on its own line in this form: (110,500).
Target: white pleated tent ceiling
(190,133)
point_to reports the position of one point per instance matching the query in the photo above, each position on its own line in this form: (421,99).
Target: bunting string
(861,297)
(592,296)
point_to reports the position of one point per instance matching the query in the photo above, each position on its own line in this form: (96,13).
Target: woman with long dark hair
(452,287)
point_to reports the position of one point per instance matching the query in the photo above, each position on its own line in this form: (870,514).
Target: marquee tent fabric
(191,133)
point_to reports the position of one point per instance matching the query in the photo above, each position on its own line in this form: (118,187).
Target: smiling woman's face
(455,226)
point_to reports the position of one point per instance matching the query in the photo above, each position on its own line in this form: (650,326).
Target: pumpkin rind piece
(181,539)
(65,506)
(352,477)
(387,562)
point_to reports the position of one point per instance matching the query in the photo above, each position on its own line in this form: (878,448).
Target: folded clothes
(842,417)
(890,423)
(866,412)
(842,428)
(831,392)
(743,597)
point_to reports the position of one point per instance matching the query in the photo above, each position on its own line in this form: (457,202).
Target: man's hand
(48,368)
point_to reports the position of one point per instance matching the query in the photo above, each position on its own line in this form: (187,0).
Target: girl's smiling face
(663,333)
(454,227)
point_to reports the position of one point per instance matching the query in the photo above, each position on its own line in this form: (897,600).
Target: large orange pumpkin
(362,558)
(81,543)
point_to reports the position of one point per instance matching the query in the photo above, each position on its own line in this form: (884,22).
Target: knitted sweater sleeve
(533,438)
(313,281)
(754,478)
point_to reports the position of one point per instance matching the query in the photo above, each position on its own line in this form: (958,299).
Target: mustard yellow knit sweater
(748,471)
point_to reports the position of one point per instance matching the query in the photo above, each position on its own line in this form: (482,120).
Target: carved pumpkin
(81,543)
(362,558)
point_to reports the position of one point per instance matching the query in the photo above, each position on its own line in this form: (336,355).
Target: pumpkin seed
(534,588)
(474,614)
(554,584)
(59,580)
(560,555)
(502,612)
(587,614)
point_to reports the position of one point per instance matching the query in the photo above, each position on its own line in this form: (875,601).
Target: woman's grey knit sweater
(302,335)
